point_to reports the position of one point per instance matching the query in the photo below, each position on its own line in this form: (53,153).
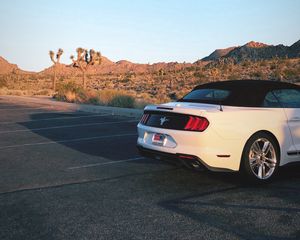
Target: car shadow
(115,148)
(87,140)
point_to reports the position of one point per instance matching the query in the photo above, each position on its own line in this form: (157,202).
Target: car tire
(260,158)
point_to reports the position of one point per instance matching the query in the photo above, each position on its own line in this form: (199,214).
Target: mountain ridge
(252,51)
(255,51)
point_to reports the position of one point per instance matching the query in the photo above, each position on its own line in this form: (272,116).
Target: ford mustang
(252,126)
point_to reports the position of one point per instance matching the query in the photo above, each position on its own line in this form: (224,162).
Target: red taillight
(144,118)
(196,124)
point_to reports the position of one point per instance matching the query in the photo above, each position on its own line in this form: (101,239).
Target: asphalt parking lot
(76,175)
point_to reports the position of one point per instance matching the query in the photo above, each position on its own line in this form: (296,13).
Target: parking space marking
(26,108)
(11,105)
(58,118)
(105,163)
(50,111)
(67,141)
(65,126)
(6,104)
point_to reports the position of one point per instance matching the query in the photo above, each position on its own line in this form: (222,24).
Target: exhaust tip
(191,162)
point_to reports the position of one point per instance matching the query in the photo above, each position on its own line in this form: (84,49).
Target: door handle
(295,119)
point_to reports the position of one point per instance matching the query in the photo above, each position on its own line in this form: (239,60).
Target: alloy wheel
(262,158)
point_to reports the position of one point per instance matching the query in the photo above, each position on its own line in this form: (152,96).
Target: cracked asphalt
(75,175)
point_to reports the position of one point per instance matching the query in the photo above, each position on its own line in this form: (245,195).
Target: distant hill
(217,54)
(251,51)
(6,67)
(120,67)
(295,50)
(254,51)
(162,81)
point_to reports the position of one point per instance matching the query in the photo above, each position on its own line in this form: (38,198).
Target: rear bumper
(208,148)
(189,161)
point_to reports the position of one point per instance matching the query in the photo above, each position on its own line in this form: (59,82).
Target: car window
(207,95)
(271,101)
(288,98)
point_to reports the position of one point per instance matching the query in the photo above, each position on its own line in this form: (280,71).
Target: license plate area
(159,139)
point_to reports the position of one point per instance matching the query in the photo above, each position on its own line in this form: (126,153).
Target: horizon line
(144,63)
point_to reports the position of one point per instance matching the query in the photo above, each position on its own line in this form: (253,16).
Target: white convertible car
(251,126)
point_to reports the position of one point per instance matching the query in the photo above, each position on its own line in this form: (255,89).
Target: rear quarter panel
(240,123)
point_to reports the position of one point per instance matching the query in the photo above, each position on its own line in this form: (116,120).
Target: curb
(126,112)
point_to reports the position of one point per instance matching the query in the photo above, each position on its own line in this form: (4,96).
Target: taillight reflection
(196,124)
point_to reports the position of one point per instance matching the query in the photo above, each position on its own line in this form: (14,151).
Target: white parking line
(10,105)
(67,141)
(50,111)
(105,163)
(58,118)
(33,108)
(23,105)
(65,126)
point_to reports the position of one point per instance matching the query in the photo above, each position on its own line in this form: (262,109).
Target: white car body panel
(293,117)
(227,133)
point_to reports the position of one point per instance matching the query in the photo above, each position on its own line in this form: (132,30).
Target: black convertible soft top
(246,84)
(247,93)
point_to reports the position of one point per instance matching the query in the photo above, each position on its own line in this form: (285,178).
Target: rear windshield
(245,94)
(240,97)
(206,96)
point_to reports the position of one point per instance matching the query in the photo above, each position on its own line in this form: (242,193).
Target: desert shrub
(125,80)
(3,82)
(288,64)
(124,101)
(33,77)
(143,99)
(3,91)
(94,101)
(106,96)
(298,71)
(173,96)
(44,92)
(199,75)
(141,104)
(258,74)
(70,92)
(199,81)
(290,74)
(233,76)
(273,66)
(246,63)
(92,97)
(263,63)
(190,69)
(277,74)
(162,98)
(17,93)
(82,96)
(70,96)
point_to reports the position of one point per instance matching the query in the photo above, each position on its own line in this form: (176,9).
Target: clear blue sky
(141,30)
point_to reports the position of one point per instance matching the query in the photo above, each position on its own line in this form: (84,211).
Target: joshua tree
(15,72)
(161,73)
(85,59)
(55,59)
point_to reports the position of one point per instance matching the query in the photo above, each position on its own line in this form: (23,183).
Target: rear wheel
(260,158)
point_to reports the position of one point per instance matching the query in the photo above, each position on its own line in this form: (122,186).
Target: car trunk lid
(178,116)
